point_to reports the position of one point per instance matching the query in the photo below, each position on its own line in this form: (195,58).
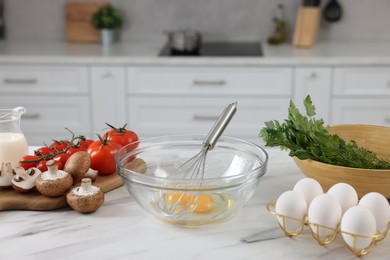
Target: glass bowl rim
(148,180)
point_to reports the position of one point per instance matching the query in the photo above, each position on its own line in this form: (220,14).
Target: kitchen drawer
(203,80)
(154,116)
(108,96)
(361,111)
(47,117)
(362,81)
(315,82)
(43,79)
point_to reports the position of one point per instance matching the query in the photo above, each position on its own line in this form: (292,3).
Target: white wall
(364,20)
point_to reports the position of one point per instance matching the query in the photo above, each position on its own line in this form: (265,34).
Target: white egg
(360,221)
(291,204)
(345,194)
(309,188)
(379,206)
(324,210)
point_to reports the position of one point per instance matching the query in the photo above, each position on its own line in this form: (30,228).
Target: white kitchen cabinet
(374,111)
(316,82)
(43,79)
(108,92)
(188,100)
(55,97)
(172,99)
(361,95)
(47,116)
(362,81)
(210,80)
(153,116)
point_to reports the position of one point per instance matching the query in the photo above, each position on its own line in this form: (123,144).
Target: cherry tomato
(121,136)
(59,145)
(84,144)
(102,154)
(61,160)
(42,166)
(72,150)
(27,165)
(60,165)
(44,151)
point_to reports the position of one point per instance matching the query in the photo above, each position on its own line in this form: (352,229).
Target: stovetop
(220,49)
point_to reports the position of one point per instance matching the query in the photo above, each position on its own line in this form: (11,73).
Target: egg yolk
(199,203)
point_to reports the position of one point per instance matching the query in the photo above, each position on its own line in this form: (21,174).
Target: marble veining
(120,229)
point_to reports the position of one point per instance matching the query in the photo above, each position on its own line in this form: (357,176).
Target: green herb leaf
(308,138)
(310,108)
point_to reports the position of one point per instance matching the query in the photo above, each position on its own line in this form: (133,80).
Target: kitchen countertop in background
(121,230)
(138,53)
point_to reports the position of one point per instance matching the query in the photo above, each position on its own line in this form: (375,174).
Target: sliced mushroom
(53,182)
(24,181)
(86,198)
(77,165)
(6,175)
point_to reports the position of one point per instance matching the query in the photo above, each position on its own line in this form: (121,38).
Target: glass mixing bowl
(154,175)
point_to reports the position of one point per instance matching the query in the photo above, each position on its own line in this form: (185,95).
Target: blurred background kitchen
(244,20)
(343,62)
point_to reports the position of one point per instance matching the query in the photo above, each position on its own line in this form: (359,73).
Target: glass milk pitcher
(13,144)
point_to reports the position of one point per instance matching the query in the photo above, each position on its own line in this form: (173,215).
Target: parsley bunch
(307,138)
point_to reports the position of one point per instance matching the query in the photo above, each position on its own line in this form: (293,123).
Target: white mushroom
(53,182)
(24,181)
(92,174)
(77,165)
(86,198)
(6,175)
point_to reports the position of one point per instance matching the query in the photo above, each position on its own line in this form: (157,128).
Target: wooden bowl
(374,138)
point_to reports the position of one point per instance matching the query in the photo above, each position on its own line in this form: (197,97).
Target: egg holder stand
(379,236)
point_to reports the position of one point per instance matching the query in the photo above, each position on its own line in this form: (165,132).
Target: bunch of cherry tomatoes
(102,150)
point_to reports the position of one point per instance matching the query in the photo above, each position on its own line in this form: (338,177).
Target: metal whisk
(180,203)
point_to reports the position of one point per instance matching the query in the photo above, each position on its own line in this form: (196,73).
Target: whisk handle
(220,125)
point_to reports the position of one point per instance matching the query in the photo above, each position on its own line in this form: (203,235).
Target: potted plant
(107,19)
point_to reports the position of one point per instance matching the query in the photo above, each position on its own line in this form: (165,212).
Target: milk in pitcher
(13,144)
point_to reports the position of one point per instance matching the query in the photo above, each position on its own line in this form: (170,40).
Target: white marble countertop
(146,53)
(120,229)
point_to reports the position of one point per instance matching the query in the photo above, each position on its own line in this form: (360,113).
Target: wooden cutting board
(78,21)
(33,200)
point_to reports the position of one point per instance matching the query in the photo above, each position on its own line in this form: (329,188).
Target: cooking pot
(184,41)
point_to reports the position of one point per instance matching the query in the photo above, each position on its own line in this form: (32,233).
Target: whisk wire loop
(195,165)
(179,204)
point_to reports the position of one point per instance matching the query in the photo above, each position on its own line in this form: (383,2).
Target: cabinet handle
(20,81)
(313,75)
(31,116)
(209,82)
(106,74)
(205,118)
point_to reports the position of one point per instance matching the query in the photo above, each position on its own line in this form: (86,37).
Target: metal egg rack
(316,229)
